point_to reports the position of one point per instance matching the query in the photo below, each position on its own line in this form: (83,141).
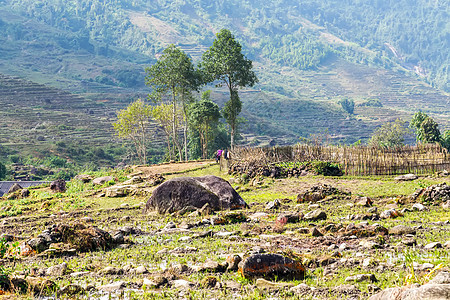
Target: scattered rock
(183,284)
(315,232)
(58,270)
(434,245)
(111,271)
(401,230)
(364,201)
(233,262)
(102,180)
(85,178)
(14,188)
(442,277)
(85,238)
(71,289)
(315,215)
(434,194)
(24,193)
(112,287)
(426,291)
(270,266)
(289,217)
(177,193)
(390,214)
(301,289)
(58,186)
(209,282)
(317,193)
(406,177)
(275,204)
(116,191)
(361,278)
(418,207)
(38,244)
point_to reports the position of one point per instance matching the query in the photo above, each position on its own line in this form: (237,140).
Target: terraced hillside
(35,117)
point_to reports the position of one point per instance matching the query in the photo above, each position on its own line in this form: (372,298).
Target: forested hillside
(307,54)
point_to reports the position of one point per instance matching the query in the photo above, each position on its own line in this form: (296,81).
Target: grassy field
(160,252)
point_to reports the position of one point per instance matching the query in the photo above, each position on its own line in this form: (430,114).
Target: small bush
(327,168)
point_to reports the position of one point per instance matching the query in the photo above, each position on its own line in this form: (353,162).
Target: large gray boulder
(178,193)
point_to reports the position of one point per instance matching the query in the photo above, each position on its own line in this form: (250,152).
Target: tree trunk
(174,121)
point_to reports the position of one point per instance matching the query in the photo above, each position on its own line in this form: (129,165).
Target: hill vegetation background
(390,57)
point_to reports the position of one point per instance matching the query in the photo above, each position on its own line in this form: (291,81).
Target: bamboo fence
(357,161)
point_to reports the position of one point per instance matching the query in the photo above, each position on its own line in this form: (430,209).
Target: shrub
(327,168)
(348,105)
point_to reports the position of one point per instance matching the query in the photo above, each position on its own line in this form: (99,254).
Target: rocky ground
(311,237)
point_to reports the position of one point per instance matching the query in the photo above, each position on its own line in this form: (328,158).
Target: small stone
(256,217)
(111,271)
(275,204)
(71,289)
(364,201)
(372,210)
(141,270)
(406,177)
(303,230)
(401,229)
(115,286)
(149,283)
(38,244)
(58,270)
(170,225)
(263,284)
(390,214)
(301,289)
(315,215)
(233,262)
(434,245)
(79,274)
(209,282)
(361,278)
(418,207)
(185,239)
(315,232)
(370,245)
(183,284)
(102,180)
(343,247)
(271,265)
(442,278)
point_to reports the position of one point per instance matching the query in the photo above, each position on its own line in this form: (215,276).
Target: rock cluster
(317,193)
(434,194)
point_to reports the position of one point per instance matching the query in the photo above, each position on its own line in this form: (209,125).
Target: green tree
(426,128)
(204,117)
(162,114)
(445,140)
(133,123)
(174,76)
(224,62)
(348,105)
(390,135)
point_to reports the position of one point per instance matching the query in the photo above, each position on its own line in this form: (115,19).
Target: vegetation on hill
(307,55)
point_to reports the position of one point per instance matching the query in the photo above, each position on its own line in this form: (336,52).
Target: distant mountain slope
(307,54)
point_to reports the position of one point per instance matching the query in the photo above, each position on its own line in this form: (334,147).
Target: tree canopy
(224,62)
(133,123)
